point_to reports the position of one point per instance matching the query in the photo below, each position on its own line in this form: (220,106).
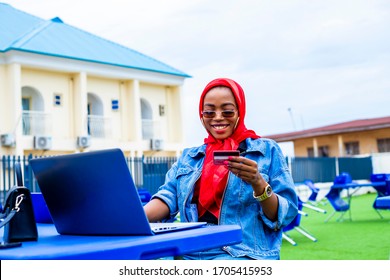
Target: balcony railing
(40,123)
(99,126)
(36,123)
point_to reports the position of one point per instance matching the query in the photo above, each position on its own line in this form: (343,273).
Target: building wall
(3,99)
(155,95)
(367,142)
(48,84)
(69,120)
(9,75)
(107,90)
(174,111)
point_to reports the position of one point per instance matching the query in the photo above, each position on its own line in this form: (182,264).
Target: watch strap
(265,195)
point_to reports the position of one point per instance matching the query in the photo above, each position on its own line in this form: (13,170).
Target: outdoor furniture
(382,202)
(312,199)
(335,199)
(383,192)
(51,245)
(296,225)
(144,195)
(384,189)
(317,209)
(344,182)
(314,190)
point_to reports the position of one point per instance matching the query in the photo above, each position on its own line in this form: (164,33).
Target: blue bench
(383,202)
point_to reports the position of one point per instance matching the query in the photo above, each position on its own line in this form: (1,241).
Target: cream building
(358,137)
(63,90)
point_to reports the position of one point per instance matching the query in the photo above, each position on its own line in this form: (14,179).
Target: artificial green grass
(366,237)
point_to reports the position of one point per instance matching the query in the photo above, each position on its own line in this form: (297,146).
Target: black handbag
(18,216)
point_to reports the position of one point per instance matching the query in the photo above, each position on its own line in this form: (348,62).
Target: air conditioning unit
(156,144)
(7,140)
(42,142)
(83,142)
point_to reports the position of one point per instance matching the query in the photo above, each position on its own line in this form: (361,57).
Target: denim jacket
(262,237)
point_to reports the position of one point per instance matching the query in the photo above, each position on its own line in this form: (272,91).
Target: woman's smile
(220,127)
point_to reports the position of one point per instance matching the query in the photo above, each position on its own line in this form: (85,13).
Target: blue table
(355,186)
(51,245)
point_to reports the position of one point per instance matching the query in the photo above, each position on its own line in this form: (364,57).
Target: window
(383,145)
(26,103)
(351,148)
(310,152)
(26,121)
(323,151)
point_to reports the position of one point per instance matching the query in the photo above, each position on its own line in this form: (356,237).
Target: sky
(302,63)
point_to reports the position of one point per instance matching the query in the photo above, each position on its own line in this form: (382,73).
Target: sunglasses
(225,114)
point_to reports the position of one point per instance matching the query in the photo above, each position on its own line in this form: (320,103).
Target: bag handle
(8,218)
(18,173)
(19,183)
(11,214)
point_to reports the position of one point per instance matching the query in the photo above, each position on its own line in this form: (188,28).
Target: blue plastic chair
(296,225)
(314,191)
(335,199)
(343,178)
(383,203)
(144,195)
(382,192)
(382,177)
(312,199)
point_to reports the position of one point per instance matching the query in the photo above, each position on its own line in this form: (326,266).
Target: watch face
(269,191)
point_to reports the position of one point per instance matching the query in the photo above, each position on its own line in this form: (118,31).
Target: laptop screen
(91,193)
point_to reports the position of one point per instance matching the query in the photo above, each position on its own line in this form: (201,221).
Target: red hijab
(214,177)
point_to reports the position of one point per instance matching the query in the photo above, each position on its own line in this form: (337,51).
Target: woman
(254,190)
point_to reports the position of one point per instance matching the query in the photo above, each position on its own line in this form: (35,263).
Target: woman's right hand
(156,210)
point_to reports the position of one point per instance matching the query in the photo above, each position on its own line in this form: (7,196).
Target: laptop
(93,193)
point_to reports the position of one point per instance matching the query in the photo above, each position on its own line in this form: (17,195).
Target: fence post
(289,164)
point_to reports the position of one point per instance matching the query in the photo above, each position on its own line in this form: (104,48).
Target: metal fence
(149,172)
(315,169)
(326,169)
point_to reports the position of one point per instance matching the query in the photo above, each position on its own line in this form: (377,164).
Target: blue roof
(24,32)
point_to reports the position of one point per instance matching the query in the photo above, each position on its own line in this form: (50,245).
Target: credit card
(221,156)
